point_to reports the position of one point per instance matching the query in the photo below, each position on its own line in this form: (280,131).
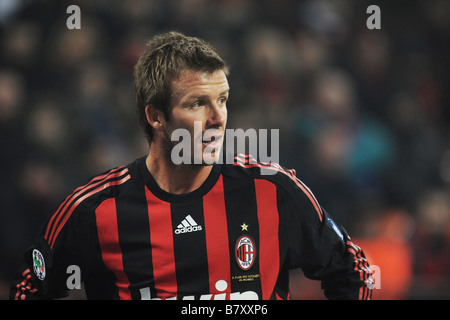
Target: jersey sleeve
(44,272)
(322,248)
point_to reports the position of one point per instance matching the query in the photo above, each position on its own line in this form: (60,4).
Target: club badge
(245,252)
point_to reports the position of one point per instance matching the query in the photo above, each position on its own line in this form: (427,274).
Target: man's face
(200,98)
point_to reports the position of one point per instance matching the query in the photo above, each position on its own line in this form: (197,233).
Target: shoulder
(104,185)
(245,165)
(286,180)
(78,206)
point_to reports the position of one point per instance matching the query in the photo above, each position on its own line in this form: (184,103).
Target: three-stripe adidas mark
(187,225)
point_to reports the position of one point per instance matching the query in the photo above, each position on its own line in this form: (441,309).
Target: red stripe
(251,163)
(108,235)
(161,238)
(216,232)
(69,200)
(269,256)
(80,200)
(25,285)
(362,266)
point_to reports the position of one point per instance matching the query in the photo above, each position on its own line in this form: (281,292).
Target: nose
(217,115)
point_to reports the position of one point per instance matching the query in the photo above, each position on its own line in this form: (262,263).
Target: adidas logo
(187,225)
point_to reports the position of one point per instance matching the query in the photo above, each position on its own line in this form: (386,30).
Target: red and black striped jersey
(235,237)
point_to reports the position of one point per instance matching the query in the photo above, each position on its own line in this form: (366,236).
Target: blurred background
(364,115)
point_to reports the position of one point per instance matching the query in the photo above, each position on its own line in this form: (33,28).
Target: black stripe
(240,204)
(282,284)
(134,240)
(191,262)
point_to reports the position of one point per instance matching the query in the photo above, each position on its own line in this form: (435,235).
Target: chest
(207,247)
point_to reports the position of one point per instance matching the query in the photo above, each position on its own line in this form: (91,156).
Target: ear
(154,117)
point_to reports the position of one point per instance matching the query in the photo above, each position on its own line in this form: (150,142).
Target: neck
(176,179)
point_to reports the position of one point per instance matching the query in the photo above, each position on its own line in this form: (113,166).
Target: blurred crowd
(364,115)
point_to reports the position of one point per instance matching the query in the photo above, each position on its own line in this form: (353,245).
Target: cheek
(225,114)
(187,120)
(192,126)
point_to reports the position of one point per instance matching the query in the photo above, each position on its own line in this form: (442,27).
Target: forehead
(199,83)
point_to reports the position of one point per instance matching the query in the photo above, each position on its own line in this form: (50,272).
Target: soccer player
(203,229)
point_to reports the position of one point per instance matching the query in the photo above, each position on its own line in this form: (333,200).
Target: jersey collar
(171,197)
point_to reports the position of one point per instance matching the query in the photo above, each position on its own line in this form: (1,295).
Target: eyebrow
(204,96)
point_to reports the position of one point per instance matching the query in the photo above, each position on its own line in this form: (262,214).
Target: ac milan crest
(245,252)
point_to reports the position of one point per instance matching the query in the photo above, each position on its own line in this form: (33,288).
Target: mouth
(212,140)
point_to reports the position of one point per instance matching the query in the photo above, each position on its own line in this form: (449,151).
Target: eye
(222,100)
(198,104)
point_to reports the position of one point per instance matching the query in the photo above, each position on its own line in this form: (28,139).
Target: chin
(208,158)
